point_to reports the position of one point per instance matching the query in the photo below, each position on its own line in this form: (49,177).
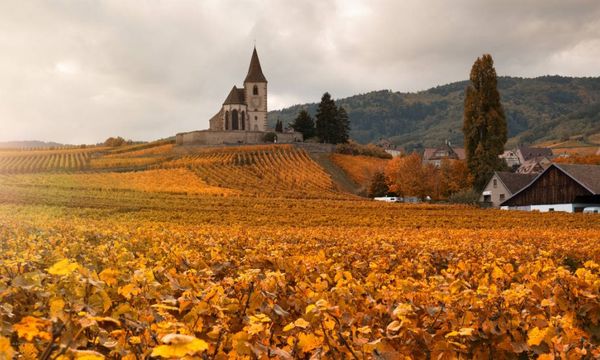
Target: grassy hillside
(540,109)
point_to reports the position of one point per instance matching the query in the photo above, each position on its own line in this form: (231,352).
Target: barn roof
(515,182)
(587,176)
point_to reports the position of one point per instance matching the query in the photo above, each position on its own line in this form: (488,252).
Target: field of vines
(253,253)
(282,170)
(109,271)
(43,160)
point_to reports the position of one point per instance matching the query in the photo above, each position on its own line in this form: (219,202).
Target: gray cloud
(80,71)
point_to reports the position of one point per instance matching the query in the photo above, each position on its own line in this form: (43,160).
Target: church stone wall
(208,137)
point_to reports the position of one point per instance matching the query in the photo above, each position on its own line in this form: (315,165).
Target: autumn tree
(304,124)
(378,186)
(484,125)
(453,177)
(115,141)
(408,176)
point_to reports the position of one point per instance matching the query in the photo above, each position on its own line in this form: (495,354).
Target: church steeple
(255,73)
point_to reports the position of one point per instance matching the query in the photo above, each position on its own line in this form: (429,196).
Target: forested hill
(543,108)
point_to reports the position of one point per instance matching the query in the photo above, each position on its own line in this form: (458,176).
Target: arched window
(255,90)
(226,120)
(243,120)
(234,120)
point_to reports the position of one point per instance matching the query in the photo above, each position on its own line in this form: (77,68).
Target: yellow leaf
(364,330)
(289,327)
(260,318)
(497,273)
(28,351)
(310,308)
(466,331)
(88,355)
(394,326)
(129,290)
(63,267)
(536,336)
(109,276)
(403,310)
(179,346)
(56,308)
(301,323)
(30,327)
(308,342)
(6,351)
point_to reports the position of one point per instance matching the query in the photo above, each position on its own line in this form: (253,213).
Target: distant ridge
(547,108)
(30,144)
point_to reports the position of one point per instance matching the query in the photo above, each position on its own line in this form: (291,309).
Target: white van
(592,210)
(388,199)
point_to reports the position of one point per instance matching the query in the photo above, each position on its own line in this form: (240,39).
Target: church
(242,118)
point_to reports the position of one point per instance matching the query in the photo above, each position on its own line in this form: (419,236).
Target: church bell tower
(255,86)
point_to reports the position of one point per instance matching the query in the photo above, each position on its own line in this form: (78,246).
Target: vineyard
(263,170)
(251,253)
(260,170)
(40,161)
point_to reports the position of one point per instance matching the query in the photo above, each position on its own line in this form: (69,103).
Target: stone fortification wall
(208,137)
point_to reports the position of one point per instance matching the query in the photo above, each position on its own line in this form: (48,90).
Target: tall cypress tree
(343,126)
(279,126)
(484,125)
(304,124)
(326,119)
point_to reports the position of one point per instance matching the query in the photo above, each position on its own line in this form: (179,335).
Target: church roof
(255,73)
(236,96)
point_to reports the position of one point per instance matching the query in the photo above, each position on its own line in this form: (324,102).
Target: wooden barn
(561,187)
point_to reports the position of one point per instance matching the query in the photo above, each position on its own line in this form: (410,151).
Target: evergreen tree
(378,186)
(342,134)
(279,126)
(484,125)
(326,126)
(304,124)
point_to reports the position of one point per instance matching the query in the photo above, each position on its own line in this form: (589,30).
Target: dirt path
(338,175)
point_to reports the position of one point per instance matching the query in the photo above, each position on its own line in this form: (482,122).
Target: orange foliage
(579,159)
(408,176)
(162,275)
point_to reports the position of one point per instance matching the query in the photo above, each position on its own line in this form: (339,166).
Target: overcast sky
(79,71)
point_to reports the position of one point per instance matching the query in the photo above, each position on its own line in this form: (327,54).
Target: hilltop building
(242,118)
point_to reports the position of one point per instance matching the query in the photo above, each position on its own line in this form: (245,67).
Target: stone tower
(255,86)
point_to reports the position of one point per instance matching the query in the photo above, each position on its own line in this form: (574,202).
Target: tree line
(332,123)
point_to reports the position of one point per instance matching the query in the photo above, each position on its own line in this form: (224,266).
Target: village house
(534,166)
(561,187)
(435,156)
(511,159)
(503,185)
(526,153)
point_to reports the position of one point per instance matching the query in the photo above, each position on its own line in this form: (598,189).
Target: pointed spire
(255,73)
